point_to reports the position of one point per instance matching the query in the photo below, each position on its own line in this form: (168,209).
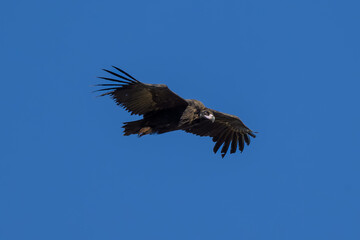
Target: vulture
(165,111)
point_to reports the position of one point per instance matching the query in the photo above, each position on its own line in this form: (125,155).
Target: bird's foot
(143,131)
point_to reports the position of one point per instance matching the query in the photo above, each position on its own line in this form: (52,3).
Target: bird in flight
(164,111)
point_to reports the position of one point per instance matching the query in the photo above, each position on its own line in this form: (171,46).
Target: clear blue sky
(288,69)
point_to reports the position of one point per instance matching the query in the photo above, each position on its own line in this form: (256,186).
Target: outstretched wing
(227,130)
(137,97)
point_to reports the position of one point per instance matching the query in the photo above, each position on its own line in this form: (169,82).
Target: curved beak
(211,118)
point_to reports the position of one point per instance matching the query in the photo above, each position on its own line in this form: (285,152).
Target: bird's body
(164,111)
(167,120)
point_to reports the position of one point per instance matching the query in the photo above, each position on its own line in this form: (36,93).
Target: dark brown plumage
(164,111)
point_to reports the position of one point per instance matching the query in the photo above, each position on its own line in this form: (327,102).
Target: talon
(143,131)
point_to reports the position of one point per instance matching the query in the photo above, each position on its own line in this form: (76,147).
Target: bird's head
(207,114)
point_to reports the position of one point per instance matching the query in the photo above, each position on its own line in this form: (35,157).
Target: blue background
(288,69)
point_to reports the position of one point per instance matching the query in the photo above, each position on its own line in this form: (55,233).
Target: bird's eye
(206,113)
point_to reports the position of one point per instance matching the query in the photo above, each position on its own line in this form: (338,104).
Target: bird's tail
(136,127)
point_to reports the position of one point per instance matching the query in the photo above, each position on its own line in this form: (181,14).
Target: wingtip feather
(130,81)
(252,134)
(127,74)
